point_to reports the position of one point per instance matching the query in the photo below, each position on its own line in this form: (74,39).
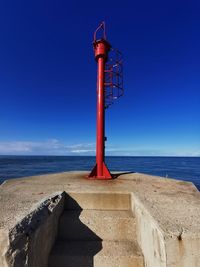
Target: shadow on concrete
(117,175)
(80,244)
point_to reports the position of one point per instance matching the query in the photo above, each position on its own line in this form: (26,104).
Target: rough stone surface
(30,241)
(167,211)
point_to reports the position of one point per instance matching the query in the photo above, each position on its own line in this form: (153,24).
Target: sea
(181,168)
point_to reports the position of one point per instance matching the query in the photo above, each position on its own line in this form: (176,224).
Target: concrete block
(98,201)
(107,225)
(31,240)
(4,247)
(96,254)
(183,251)
(149,236)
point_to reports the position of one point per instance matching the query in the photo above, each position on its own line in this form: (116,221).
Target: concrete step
(98,201)
(96,254)
(97,225)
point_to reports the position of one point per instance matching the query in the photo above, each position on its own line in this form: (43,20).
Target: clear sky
(48,77)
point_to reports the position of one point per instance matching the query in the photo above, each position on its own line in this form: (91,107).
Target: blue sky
(48,77)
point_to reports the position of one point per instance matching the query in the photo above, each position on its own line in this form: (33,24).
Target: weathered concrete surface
(150,237)
(106,254)
(167,211)
(29,242)
(107,200)
(97,229)
(109,225)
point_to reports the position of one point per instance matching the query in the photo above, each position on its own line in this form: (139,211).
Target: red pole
(100,171)
(100,117)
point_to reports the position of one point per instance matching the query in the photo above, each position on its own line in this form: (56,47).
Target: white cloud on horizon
(47,147)
(82,151)
(56,147)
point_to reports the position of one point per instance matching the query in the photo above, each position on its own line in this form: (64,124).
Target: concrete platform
(167,214)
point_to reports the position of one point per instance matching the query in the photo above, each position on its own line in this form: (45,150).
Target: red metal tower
(109,88)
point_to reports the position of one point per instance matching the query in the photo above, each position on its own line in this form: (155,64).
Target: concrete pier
(66,220)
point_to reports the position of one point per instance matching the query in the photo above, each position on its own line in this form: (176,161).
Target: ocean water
(184,168)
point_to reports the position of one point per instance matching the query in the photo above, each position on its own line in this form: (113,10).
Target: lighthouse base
(106,175)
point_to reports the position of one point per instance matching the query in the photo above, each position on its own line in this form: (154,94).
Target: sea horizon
(139,156)
(185,168)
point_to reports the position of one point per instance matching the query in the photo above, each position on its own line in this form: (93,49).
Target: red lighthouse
(109,87)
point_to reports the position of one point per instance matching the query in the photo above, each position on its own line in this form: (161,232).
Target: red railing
(113,83)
